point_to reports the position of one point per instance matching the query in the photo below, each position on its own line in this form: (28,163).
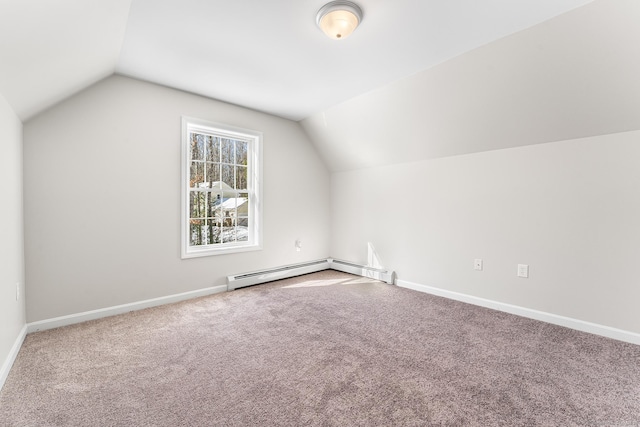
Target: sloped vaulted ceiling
(418,79)
(265,55)
(270,56)
(573,76)
(49,50)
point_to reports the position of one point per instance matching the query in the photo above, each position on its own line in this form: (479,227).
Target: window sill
(207,251)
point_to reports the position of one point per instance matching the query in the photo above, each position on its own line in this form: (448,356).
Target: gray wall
(12,312)
(102,198)
(569,209)
(481,157)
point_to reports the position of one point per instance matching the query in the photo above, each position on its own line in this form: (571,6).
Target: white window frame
(254,187)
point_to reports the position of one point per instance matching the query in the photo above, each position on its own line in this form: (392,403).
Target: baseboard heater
(269,275)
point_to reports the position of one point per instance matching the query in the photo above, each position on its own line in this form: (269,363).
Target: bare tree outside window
(222,187)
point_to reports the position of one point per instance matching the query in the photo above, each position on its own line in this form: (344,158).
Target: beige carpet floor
(326,349)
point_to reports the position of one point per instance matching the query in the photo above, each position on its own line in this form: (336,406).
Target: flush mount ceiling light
(338,19)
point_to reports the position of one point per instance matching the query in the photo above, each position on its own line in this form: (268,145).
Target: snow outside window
(221,185)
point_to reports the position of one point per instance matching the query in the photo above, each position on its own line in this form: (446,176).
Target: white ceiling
(265,55)
(51,49)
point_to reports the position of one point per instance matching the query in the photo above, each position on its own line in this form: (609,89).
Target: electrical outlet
(477,264)
(298,245)
(523,270)
(17,291)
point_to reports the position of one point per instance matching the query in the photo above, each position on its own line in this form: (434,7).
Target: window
(221,186)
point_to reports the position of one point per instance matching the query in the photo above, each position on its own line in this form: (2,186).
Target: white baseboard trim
(269,275)
(284,272)
(275,274)
(362,270)
(11,357)
(71,319)
(234,282)
(580,325)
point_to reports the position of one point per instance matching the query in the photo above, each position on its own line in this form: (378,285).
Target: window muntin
(221,183)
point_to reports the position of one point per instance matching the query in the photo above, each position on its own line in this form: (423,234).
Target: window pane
(243,205)
(196,175)
(227,175)
(197,204)
(242,220)
(204,232)
(217,196)
(242,225)
(213,233)
(195,232)
(228,207)
(241,152)
(213,205)
(242,234)
(227,214)
(197,146)
(213,149)
(218,214)
(227,150)
(241,177)
(213,175)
